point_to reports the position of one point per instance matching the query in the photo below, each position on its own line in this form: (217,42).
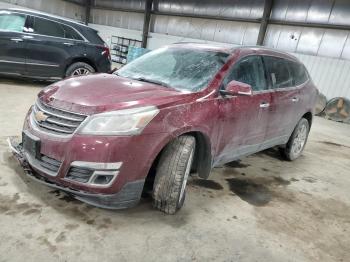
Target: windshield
(179,68)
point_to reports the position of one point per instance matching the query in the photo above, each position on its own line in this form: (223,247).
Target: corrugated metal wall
(57,7)
(125,20)
(315,41)
(305,40)
(240,33)
(325,52)
(331,75)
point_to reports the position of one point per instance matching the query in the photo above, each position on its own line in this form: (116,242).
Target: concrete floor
(259,209)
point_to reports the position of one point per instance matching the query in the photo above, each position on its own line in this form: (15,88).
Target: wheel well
(81,59)
(308,117)
(201,163)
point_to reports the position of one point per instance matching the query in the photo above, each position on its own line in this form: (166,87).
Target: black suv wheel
(79,69)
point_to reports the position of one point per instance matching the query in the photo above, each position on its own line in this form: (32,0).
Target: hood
(105,92)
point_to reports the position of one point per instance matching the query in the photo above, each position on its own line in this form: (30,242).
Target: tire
(78,69)
(297,140)
(172,173)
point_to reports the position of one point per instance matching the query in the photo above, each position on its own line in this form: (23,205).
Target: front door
(12,45)
(244,118)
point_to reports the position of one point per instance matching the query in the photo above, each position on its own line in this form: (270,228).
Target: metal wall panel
(340,13)
(333,42)
(206,29)
(319,11)
(312,11)
(330,75)
(221,8)
(306,40)
(119,19)
(122,4)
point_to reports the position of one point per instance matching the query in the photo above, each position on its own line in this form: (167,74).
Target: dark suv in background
(44,46)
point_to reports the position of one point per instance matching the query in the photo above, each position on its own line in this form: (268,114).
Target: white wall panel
(331,75)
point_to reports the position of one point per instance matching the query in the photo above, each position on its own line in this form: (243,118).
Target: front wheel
(297,140)
(172,173)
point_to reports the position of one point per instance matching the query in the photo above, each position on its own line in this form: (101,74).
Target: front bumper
(128,196)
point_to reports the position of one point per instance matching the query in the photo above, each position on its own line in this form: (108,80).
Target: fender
(204,155)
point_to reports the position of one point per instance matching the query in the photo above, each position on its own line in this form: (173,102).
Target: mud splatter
(256,191)
(90,222)
(28,236)
(52,248)
(71,226)
(309,179)
(61,237)
(274,153)
(68,198)
(281,181)
(31,211)
(333,144)
(254,194)
(237,164)
(210,184)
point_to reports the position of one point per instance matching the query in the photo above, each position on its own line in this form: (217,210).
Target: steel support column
(264,21)
(146,22)
(87,11)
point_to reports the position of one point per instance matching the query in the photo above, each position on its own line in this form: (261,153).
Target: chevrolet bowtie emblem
(40,116)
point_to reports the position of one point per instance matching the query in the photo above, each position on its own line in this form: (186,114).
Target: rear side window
(47,27)
(12,22)
(70,33)
(298,72)
(278,72)
(249,70)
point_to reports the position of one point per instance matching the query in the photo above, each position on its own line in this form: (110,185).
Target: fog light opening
(102,179)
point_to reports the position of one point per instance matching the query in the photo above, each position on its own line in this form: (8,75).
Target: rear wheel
(297,140)
(79,69)
(173,169)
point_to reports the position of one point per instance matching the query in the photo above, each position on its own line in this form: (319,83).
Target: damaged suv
(181,109)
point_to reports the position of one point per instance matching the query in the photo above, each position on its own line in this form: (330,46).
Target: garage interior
(261,208)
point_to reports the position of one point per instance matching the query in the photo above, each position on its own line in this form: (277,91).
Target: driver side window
(249,70)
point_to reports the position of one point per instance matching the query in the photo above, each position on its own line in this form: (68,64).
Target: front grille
(49,163)
(58,121)
(79,174)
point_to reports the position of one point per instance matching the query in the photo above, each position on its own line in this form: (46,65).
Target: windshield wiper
(157,82)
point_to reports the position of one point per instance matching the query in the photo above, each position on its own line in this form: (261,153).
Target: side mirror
(235,88)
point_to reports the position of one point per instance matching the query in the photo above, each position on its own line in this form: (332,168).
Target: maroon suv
(181,109)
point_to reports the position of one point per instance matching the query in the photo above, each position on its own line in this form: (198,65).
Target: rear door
(284,100)
(12,46)
(244,118)
(51,47)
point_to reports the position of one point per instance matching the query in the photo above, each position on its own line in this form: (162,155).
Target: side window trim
(222,86)
(32,24)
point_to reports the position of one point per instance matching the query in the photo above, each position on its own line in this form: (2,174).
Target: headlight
(123,122)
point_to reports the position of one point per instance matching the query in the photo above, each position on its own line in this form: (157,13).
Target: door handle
(264,105)
(17,40)
(295,99)
(68,44)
